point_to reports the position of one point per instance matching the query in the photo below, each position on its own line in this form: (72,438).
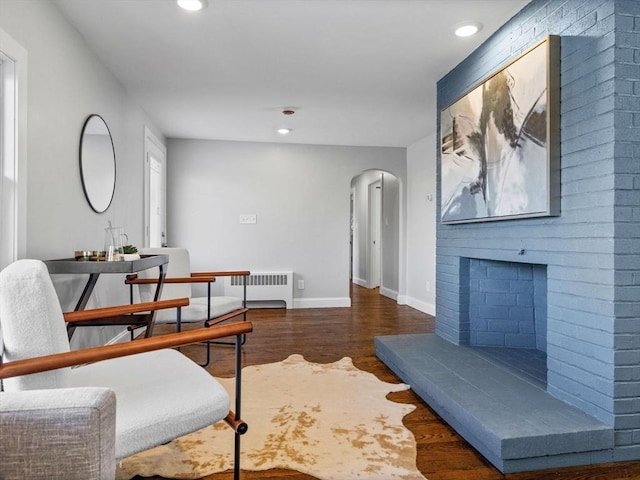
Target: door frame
(153,146)
(374,235)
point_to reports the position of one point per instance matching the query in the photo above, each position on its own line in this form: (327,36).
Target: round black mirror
(97,163)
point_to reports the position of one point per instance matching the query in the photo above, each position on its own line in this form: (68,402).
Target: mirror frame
(96,204)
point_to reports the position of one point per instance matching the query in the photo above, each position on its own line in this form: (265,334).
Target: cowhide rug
(331,421)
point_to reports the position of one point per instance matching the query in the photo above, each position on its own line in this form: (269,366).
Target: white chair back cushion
(32,322)
(179,266)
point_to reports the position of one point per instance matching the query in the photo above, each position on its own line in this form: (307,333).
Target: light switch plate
(248,218)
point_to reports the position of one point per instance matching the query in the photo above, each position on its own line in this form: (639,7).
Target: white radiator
(263,287)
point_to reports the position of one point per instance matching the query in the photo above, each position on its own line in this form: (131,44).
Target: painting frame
(499,145)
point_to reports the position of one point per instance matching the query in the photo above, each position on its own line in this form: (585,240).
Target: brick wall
(507,304)
(592,250)
(626,280)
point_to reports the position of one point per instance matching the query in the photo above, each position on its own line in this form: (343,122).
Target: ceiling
(357,72)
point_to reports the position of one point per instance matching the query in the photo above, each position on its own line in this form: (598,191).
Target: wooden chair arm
(234,273)
(197,279)
(134,280)
(225,317)
(96,354)
(115,311)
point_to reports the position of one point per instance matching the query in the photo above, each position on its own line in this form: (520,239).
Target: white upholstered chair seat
(160,396)
(197,309)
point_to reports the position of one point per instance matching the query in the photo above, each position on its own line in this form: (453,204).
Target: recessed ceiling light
(284,131)
(467,29)
(192,5)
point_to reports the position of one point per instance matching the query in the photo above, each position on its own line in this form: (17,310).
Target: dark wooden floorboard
(328,334)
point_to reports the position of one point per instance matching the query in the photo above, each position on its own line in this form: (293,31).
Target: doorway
(155,191)
(375,231)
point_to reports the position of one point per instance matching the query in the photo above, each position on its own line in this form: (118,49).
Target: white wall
(421,226)
(300,194)
(389,235)
(66,83)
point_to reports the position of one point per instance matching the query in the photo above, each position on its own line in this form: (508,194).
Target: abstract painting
(499,147)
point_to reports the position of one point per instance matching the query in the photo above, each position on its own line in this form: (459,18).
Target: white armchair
(209,309)
(160,393)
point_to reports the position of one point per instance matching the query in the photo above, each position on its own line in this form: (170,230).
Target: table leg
(84,298)
(86,293)
(161,276)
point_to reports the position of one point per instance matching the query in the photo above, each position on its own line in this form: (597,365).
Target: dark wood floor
(326,335)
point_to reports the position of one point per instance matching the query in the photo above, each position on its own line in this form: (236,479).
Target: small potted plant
(129,252)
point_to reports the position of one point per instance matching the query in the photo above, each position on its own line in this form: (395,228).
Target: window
(12,150)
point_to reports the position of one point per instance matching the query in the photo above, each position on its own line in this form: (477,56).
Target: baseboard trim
(425,307)
(361,282)
(321,302)
(387,292)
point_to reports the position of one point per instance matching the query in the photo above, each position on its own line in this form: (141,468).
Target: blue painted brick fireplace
(591,251)
(586,261)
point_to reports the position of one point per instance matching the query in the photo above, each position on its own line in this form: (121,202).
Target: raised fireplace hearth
(511,348)
(508,417)
(487,375)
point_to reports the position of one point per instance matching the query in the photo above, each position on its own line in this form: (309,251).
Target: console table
(95,268)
